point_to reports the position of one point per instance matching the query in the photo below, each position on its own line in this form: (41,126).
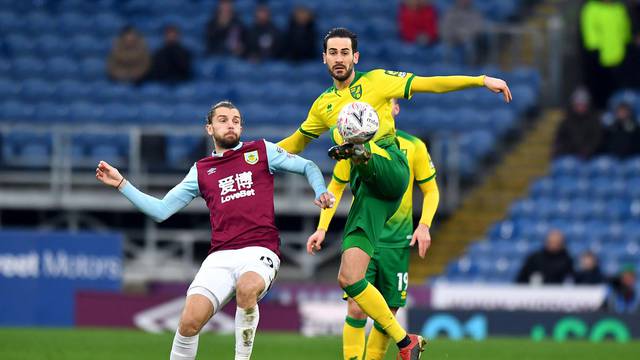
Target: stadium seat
(62,68)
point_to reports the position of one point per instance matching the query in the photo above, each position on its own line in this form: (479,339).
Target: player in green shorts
(380,170)
(388,269)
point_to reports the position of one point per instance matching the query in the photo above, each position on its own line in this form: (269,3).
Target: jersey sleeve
(176,199)
(342,171)
(423,168)
(280,160)
(313,126)
(393,84)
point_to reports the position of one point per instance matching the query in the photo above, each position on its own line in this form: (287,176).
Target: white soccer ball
(358,122)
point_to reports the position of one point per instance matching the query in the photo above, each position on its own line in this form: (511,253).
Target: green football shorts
(378,188)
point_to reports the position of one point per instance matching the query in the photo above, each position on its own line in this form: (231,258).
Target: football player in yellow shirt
(380,170)
(388,269)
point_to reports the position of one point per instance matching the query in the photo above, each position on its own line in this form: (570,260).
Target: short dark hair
(341,33)
(225,104)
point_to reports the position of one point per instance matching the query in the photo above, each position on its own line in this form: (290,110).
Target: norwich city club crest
(251,157)
(356,92)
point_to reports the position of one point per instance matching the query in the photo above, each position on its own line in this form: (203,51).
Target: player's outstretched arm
(431,198)
(159,210)
(443,84)
(294,143)
(280,160)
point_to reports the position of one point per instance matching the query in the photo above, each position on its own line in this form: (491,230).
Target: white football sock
(246,325)
(184,347)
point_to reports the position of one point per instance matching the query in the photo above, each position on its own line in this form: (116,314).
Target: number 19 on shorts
(403,281)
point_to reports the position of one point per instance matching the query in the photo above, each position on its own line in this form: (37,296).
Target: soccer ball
(358,122)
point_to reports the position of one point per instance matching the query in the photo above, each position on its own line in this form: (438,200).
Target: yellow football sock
(377,344)
(372,303)
(353,338)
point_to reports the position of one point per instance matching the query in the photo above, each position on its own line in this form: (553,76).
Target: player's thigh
(260,261)
(353,266)
(391,171)
(215,280)
(366,220)
(393,275)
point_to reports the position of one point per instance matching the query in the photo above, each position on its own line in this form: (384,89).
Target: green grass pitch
(97,344)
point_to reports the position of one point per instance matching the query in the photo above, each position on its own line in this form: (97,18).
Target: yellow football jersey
(375,87)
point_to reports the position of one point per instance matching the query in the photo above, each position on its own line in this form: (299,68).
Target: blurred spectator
(550,265)
(622,137)
(225,32)
(263,38)
(129,60)
(606,31)
(580,132)
(588,272)
(172,62)
(622,296)
(418,21)
(301,36)
(460,30)
(631,70)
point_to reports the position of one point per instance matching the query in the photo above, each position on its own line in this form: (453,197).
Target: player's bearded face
(341,72)
(340,58)
(225,127)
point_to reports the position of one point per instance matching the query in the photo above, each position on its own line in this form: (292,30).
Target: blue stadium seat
(93,68)
(119,113)
(51,112)
(85,45)
(71,23)
(71,90)
(107,24)
(10,22)
(28,67)
(20,45)
(62,68)
(155,113)
(85,112)
(16,111)
(9,90)
(632,167)
(50,45)
(35,90)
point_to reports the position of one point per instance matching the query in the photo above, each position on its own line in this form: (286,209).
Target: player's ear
(209,129)
(356,57)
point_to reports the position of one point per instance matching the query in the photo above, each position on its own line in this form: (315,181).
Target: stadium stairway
(489,201)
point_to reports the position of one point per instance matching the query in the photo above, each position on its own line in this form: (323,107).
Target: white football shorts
(220,271)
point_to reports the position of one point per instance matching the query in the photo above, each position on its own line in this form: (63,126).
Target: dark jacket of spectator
(263,38)
(129,60)
(550,265)
(418,22)
(301,36)
(588,272)
(462,23)
(622,296)
(580,133)
(226,35)
(622,138)
(172,62)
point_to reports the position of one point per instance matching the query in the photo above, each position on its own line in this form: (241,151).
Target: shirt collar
(214,154)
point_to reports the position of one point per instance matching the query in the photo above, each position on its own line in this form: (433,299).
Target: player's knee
(247,294)
(189,326)
(354,310)
(345,280)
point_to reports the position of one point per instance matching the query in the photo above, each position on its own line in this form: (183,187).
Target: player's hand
(108,174)
(498,86)
(325,200)
(423,237)
(314,243)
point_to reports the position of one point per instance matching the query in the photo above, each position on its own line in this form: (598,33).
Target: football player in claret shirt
(381,169)
(236,182)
